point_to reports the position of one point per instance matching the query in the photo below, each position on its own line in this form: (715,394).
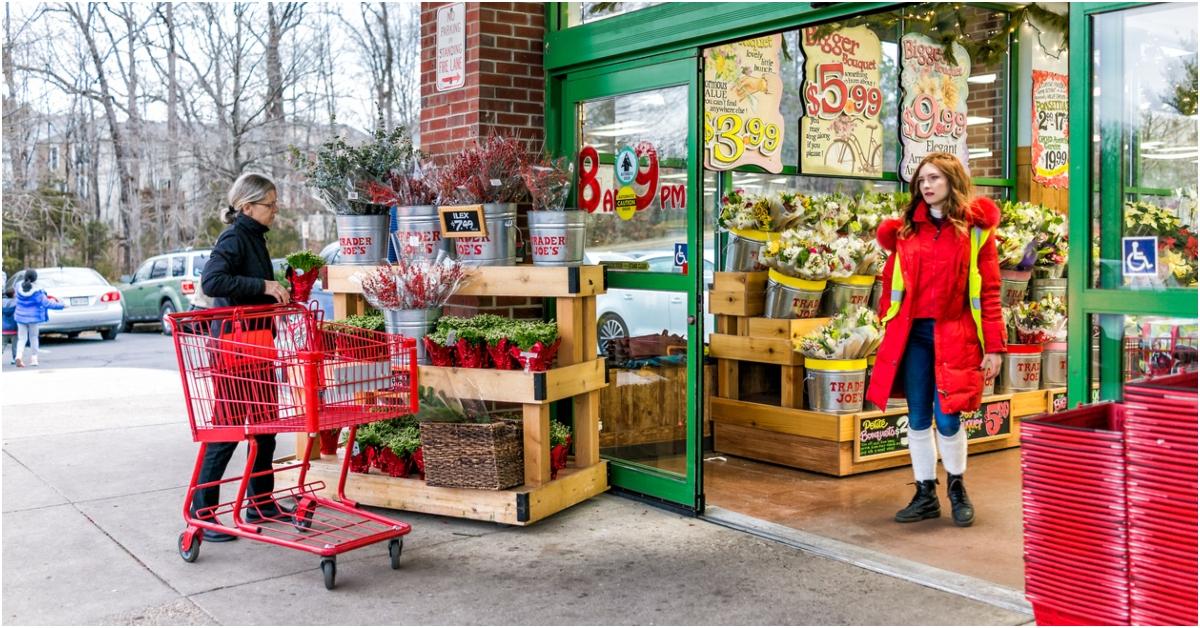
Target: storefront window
(1148,346)
(588,12)
(653,125)
(1145,140)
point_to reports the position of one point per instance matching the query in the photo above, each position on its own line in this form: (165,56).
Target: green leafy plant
(436,407)
(401,438)
(528,333)
(373,322)
(560,434)
(305,261)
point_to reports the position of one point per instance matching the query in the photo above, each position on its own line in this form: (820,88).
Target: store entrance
(631,131)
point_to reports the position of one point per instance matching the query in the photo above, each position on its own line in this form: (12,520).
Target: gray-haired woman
(239,272)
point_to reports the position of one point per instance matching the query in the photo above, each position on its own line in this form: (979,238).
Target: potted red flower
(560,446)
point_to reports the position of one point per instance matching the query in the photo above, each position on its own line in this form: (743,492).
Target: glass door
(633,131)
(1133,259)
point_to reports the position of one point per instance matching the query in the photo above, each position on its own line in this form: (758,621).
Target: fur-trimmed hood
(983,212)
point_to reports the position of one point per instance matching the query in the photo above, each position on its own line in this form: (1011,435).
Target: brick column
(505,86)
(503,95)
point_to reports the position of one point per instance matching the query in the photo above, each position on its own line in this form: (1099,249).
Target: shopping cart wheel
(395,546)
(329,569)
(302,517)
(189,552)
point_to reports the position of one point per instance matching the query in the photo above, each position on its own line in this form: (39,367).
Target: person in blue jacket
(10,326)
(32,310)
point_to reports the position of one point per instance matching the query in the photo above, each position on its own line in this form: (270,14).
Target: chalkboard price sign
(887,436)
(463,221)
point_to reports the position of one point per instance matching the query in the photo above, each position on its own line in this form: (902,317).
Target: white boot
(33,360)
(923,453)
(954,451)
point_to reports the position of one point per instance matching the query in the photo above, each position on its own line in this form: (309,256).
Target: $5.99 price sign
(840,132)
(829,96)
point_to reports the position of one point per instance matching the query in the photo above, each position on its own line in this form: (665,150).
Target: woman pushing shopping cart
(256,370)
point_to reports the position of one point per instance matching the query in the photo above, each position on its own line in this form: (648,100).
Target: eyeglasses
(271,206)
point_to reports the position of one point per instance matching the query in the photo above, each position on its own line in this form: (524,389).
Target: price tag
(462,221)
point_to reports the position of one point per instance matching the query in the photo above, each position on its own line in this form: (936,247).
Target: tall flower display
(799,253)
(849,335)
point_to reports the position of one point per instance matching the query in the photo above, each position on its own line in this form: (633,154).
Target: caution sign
(626,204)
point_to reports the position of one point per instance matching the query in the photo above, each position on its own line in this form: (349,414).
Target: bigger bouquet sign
(742,95)
(842,100)
(1050,138)
(933,114)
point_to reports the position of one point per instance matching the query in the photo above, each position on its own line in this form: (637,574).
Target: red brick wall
(505,83)
(503,95)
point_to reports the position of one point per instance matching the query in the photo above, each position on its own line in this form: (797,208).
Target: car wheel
(110,333)
(126,325)
(164,310)
(610,327)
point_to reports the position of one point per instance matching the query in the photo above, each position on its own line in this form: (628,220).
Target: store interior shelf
(514,281)
(517,386)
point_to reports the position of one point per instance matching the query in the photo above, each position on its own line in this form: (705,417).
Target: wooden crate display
(579,377)
(744,343)
(648,405)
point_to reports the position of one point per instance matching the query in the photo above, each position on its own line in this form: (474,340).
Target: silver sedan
(90,302)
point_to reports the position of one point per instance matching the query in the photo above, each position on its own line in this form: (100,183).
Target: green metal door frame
(1108,299)
(670,70)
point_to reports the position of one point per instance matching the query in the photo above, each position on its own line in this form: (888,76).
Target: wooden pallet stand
(579,376)
(785,433)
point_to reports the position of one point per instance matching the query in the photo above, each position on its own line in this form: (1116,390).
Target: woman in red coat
(931,349)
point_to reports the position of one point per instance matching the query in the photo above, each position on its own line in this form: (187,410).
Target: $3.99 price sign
(729,136)
(829,97)
(928,118)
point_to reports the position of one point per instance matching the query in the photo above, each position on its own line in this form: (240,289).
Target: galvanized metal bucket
(419,226)
(1022,368)
(876,293)
(363,239)
(499,248)
(557,238)
(837,386)
(1054,364)
(840,293)
(1049,272)
(412,324)
(742,253)
(1039,288)
(788,297)
(1013,284)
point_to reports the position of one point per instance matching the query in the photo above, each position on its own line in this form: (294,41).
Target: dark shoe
(924,504)
(960,505)
(212,536)
(269,510)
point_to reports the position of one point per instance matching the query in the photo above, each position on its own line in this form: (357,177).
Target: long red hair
(957,201)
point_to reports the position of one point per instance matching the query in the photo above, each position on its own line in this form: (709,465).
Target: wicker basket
(473,455)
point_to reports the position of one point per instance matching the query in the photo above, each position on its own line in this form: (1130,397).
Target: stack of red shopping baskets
(1160,445)
(1074,506)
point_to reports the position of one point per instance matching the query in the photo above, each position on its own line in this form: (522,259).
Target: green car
(162,284)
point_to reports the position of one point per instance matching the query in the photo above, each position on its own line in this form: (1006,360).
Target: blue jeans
(919,385)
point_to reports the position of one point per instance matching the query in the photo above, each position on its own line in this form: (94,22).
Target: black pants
(217,457)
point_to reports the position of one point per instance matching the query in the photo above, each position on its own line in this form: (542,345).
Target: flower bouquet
(1015,247)
(852,334)
(375,166)
(833,213)
(745,212)
(871,208)
(412,183)
(301,274)
(854,256)
(1051,245)
(1026,216)
(1036,322)
(799,253)
(412,283)
(484,173)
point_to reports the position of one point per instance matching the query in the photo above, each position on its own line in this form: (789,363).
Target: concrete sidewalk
(95,463)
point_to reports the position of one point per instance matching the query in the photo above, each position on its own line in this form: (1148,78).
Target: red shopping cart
(279,368)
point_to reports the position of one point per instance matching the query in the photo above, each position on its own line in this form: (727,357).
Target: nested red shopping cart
(273,369)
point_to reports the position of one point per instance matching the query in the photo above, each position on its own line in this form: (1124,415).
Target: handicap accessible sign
(1139,256)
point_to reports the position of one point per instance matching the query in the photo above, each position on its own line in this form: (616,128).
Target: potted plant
(556,236)
(1017,252)
(487,174)
(301,273)
(499,346)
(1028,326)
(367,441)
(752,221)
(536,344)
(464,447)
(401,438)
(411,292)
(852,273)
(414,215)
(560,446)
(355,183)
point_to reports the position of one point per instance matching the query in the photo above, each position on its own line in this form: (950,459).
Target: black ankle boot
(960,505)
(924,504)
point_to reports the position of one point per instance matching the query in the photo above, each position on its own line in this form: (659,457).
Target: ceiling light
(982,78)
(973,120)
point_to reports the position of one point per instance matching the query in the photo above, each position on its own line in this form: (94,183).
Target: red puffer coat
(939,263)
